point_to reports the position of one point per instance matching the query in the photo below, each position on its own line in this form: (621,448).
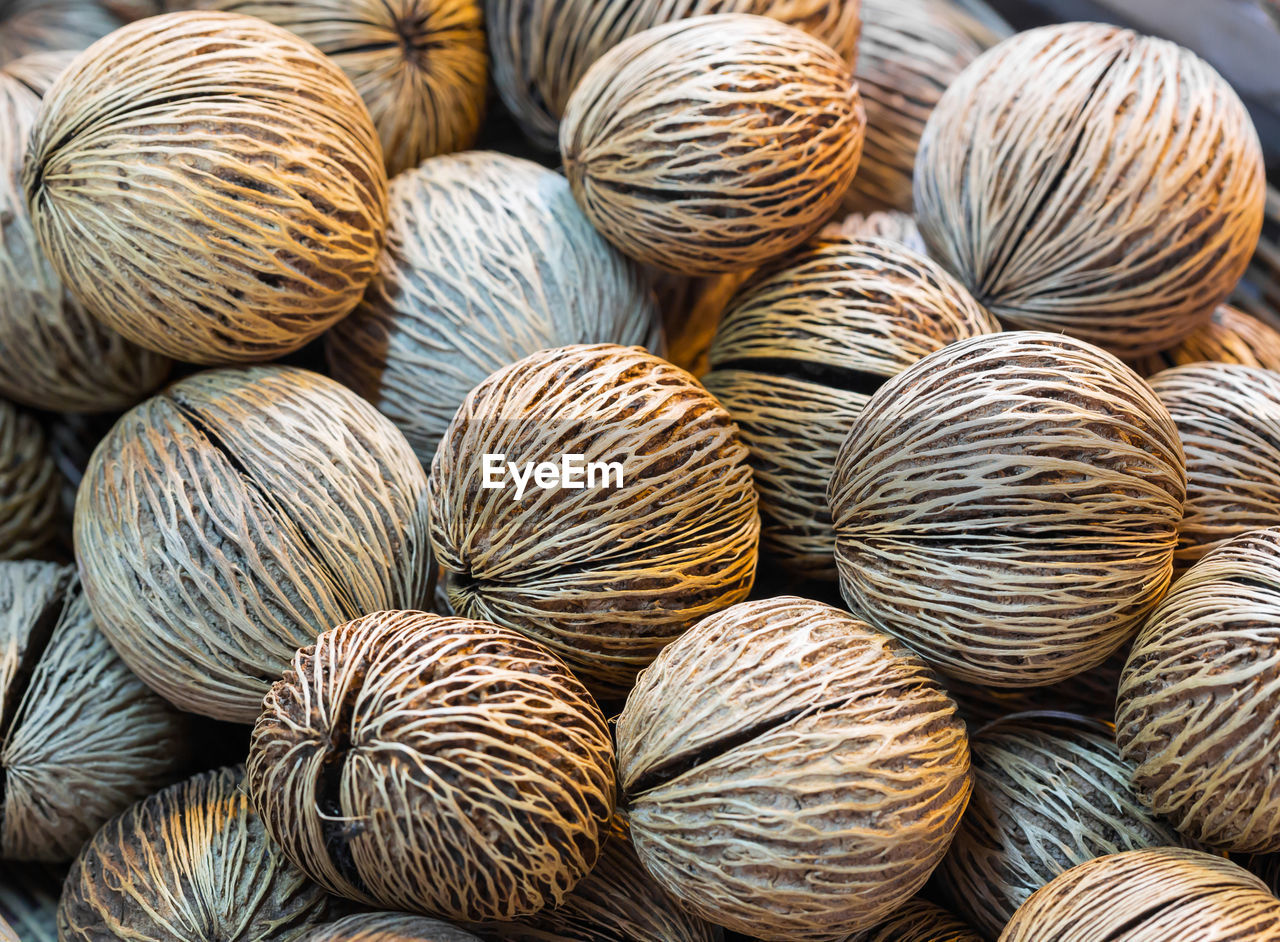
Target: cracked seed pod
(421,66)
(605,576)
(662,141)
(29,486)
(800,350)
(1050,791)
(37,26)
(1231,336)
(29,899)
(488,260)
(1155,895)
(190,863)
(439,765)
(543,48)
(229,520)
(388,927)
(1083,178)
(789,772)
(920,921)
(1198,714)
(1009,507)
(888,224)
(208,185)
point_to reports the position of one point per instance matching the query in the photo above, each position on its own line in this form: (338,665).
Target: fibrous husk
(488,260)
(1155,895)
(29,900)
(1083,178)
(1258,292)
(662,141)
(388,927)
(190,863)
(439,765)
(29,486)
(605,576)
(209,185)
(1230,336)
(1198,716)
(799,351)
(789,772)
(229,520)
(1009,507)
(882,224)
(421,66)
(36,26)
(920,921)
(691,308)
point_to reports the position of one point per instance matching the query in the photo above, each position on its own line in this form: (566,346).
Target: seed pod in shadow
(29,486)
(388,927)
(920,921)
(29,27)
(1230,336)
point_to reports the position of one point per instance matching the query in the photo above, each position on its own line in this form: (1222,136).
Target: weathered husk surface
(881,224)
(29,900)
(421,66)
(920,921)
(661,141)
(29,486)
(388,927)
(229,520)
(604,576)
(34,26)
(209,185)
(799,351)
(1198,715)
(190,863)
(789,772)
(1050,791)
(1009,507)
(1230,336)
(480,767)
(488,260)
(1155,895)
(1117,180)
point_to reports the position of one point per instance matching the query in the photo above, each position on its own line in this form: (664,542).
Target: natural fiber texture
(1231,336)
(1086,179)
(388,927)
(1198,715)
(188,864)
(1091,693)
(208,185)
(439,765)
(29,900)
(421,66)
(605,576)
(691,308)
(488,260)
(1009,507)
(887,224)
(28,486)
(1258,292)
(713,144)
(920,921)
(33,26)
(228,521)
(789,772)
(1156,895)
(36,73)
(800,350)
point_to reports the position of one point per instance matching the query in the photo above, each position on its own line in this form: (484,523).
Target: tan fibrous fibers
(1230,336)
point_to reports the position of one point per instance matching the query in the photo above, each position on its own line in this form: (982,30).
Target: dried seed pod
(691,310)
(921,921)
(662,141)
(29,900)
(888,224)
(388,927)
(608,573)
(534,274)
(190,863)
(29,486)
(229,520)
(1198,714)
(480,767)
(800,350)
(209,185)
(1231,336)
(1009,507)
(730,736)
(34,26)
(1151,895)
(1116,180)
(1259,290)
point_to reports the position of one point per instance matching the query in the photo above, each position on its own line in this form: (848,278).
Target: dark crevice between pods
(824,374)
(336,829)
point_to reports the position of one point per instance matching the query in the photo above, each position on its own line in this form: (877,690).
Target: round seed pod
(921,921)
(800,350)
(388,927)
(198,848)
(1117,178)
(229,520)
(207,209)
(1231,336)
(662,138)
(691,308)
(421,66)
(1050,791)
(609,573)
(736,727)
(481,768)
(29,486)
(536,275)
(1197,715)
(1150,895)
(887,224)
(34,26)
(1009,507)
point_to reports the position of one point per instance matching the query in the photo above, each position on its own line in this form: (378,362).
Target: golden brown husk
(1230,336)
(29,485)
(691,308)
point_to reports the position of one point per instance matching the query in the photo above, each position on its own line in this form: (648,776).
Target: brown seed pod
(229,520)
(1230,336)
(1083,178)
(691,308)
(662,141)
(800,350)
(29,486)
(209,185)
(488,260)
(605,575)
(920,921)
(35,26)
(438,765)
(887,224)
(1009,507)
(190,863)
(1154,895)
(388,927)
(789,772)
(1198,715)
